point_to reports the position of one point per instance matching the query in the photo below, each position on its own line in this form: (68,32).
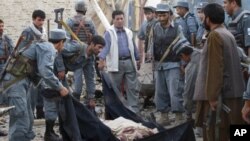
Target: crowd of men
(196,65)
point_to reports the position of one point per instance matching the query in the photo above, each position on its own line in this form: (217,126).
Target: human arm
(214,77)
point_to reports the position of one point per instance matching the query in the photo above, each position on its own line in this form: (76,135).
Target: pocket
(20,106)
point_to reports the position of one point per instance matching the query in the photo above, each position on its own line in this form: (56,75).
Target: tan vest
(233,85)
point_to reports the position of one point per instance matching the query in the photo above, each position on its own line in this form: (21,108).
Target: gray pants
(50,109)
(21,118)
(168,93)
(128,74)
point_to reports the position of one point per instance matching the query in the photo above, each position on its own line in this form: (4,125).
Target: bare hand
(213,105)
(92,103)
(101,64)
(61,75)
(246,111)
(64,91)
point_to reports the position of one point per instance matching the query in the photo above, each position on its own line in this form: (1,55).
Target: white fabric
(42,35)
(112,59)
(129,130)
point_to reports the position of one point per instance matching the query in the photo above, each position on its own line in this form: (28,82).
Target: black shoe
(50,134)
(39,112)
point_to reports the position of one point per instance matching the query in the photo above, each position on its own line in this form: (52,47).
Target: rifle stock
(12,54)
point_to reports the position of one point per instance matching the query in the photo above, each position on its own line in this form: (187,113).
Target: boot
(164,119)
(50,134)
(39,112)
(179,118)
(76,95)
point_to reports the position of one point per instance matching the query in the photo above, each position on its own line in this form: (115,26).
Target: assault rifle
(5,85)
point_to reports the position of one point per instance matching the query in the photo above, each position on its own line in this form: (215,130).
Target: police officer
(6,47)
(34,61)
(187,21)
(35,32)
(167,73)
(200,36)
(50,105)
(143,33)
(240,24)
(84,28)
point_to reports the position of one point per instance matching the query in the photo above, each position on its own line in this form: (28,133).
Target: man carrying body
(35,60)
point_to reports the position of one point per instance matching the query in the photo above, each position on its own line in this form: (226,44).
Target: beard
(206,26)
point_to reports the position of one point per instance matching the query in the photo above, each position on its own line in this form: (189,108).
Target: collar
(120,29)
(186,15)
(236,13)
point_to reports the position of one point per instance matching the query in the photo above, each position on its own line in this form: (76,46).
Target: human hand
(64,92)
(213,104)
(101,64)
(246,111)
(61,75)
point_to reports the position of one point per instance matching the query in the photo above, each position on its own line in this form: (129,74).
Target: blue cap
(201,5)
(180,45)
(57,34)
(149,8)
(182,4)
(162,8)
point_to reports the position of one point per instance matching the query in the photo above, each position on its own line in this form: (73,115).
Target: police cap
(162,7)
(57,34)
(182,4)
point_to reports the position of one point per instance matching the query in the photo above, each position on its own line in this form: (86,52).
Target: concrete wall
(17,14)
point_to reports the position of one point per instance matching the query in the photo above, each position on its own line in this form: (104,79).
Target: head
(185,54)
(38,17)
(212,19)
(149,12)
(57,38)
(182,8)
(118,18)
(163,13)
(199,9)
(97,44)
(231,5)
(1,27)
(81,7)
(200,14)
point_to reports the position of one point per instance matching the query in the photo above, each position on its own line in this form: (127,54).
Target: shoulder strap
(82,26)
(236,20)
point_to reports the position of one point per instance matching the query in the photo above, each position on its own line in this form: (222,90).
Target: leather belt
(124,58)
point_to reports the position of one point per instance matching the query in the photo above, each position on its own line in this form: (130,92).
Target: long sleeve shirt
(123,49)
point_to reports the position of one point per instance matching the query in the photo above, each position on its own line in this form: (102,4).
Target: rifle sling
(6,85)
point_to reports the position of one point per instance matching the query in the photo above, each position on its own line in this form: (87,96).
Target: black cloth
(77,123)
(183,132)
(114,108)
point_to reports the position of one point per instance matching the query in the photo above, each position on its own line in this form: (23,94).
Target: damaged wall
(17,14)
